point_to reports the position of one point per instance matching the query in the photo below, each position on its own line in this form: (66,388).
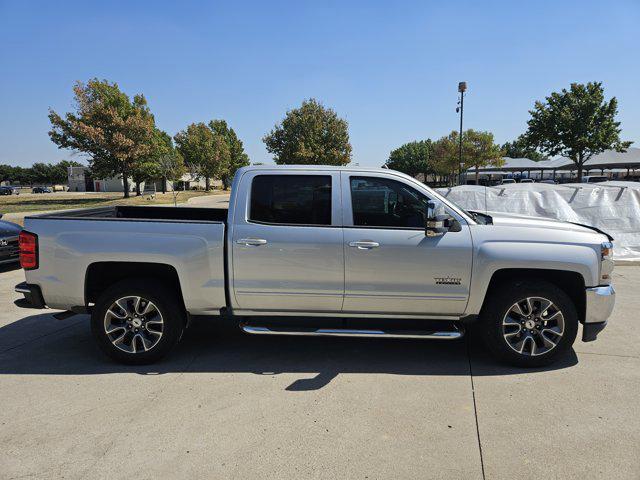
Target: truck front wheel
(529,323)
(137,321)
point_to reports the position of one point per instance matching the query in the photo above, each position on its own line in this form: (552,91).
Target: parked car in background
(507,181)
(526,180)
(41,190)
(9,233)
(548,181)
(594,179)
(9,190)
(327,251)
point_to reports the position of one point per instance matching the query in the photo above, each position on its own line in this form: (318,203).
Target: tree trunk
(125,183)
(138,189)
(477,174)
(207,183)
(579,164)
(164,184)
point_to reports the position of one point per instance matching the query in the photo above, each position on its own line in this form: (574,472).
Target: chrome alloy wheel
(133,324)
(533,326)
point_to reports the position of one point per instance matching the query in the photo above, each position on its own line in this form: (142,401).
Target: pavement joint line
(475,409)
(41,336)
(608,354)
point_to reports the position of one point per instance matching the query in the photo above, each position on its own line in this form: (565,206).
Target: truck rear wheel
(137,321)
(529,324)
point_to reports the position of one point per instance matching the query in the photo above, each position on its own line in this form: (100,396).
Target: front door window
(381,202)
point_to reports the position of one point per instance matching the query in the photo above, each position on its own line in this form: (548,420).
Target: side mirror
(438,221)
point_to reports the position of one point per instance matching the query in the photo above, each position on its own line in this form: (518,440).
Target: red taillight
(28,243)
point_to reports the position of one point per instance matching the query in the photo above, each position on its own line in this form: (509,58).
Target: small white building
(80,180)
(113,184)
(190,182)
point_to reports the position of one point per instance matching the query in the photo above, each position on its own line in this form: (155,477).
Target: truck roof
(317,167)
(322,168)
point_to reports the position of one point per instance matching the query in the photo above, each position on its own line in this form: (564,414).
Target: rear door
(391,267)
(287,242)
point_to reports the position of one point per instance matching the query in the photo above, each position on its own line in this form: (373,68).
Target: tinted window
(379,202)
(291,199)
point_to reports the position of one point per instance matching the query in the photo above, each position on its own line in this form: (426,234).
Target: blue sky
(390,68)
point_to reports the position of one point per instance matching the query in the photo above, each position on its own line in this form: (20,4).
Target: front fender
(492,256)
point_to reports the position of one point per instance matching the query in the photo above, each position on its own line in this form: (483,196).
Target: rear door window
(291,199)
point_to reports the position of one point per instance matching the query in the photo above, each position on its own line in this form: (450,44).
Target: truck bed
(191,241)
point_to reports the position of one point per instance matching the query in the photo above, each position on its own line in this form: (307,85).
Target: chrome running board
(343,332)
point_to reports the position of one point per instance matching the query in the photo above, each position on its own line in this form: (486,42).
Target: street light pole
(462,87)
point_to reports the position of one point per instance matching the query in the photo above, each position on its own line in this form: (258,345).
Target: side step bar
(343,332)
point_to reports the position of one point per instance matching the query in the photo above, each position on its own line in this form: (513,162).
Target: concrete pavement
(209,201)
(228,405)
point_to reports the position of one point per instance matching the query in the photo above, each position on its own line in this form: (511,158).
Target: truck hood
(510,219)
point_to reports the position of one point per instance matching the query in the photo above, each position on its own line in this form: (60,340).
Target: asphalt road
(229,405)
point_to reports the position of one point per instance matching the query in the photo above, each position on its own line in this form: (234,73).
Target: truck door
(390,265)
(287,242)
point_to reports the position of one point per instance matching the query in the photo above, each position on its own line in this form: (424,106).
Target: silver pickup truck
(305,250)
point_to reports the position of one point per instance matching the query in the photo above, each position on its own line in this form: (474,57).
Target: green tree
(479,150)
(7,173)
(170,165)
(576,123)
(205,152)
(519,148)
(445,156)
(113,130)
(59,172)
(23,175)
(237,156)
(412,158)
(46,173)
(310,135)
(144,170)
(148,167)
(12,174)
(171,168)
(41,172)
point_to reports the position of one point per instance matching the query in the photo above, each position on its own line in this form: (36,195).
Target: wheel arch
(101,275)
(570,282)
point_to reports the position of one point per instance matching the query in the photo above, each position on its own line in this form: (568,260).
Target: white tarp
(613,207)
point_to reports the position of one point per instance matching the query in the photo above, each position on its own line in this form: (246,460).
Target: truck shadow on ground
(9,267)
(41,345)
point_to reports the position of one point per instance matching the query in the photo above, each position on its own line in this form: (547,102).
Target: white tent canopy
(611,159)
(607,160)
(613,207)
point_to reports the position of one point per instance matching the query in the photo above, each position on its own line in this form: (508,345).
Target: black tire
(166,302)
(499,304)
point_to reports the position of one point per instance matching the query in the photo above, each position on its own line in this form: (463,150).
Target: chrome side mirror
(438,221)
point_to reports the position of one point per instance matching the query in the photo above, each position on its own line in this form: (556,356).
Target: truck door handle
(254,242)
(364,244)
